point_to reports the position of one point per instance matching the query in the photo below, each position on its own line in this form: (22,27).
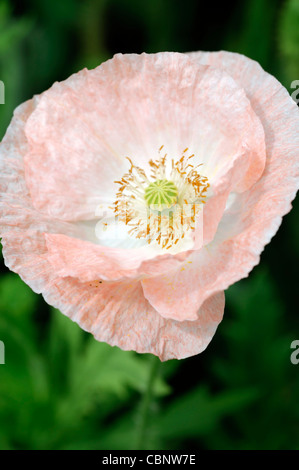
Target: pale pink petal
(254,216)
(81,130)
(118,314)
(76,151)
(114,312)
(87,261)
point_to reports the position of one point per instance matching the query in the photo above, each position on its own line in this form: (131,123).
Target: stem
(146,403)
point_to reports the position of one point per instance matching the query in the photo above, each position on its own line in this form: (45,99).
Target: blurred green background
(59,388)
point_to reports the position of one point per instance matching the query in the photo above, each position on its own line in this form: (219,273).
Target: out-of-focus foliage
(59,388)
(289,38)
(12,33)
(60,384)
(251,32)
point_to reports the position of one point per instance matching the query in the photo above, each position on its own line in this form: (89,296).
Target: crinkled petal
(81,130)
(24,232)
(114,312)
(253,217)
(87,261)
(118,314)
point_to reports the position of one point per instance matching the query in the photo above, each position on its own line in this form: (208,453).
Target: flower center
(161,194)
(163,207)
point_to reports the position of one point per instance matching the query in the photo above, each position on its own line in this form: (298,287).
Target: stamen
(163,207)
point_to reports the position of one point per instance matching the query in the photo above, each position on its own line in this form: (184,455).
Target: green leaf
(199,411)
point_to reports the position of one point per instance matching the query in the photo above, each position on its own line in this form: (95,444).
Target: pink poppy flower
(134,194)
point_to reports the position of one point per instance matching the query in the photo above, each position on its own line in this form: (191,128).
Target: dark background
(59,388)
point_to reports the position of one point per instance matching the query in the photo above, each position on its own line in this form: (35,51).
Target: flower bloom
(134,194)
